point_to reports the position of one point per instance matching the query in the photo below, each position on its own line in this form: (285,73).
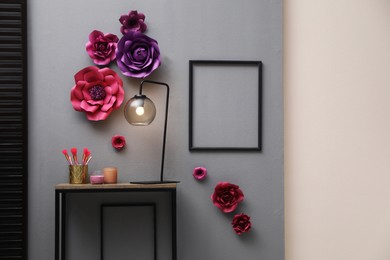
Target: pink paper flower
(199,173)
(118,142)
(227,196)
(241,223)
(97,92)
(101,47)
(133,21)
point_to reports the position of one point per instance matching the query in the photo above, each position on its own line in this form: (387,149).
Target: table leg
(63,225)
(57,228)
(174,225)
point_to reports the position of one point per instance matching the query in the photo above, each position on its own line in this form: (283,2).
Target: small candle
(96,179)
(110,175)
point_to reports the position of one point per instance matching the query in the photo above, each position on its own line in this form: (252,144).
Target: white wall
(337,129)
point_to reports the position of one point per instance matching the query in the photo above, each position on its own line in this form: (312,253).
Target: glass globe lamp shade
(140,110)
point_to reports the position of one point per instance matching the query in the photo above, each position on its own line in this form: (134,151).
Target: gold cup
(78,174)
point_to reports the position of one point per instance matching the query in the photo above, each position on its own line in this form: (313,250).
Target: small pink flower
(133,21)
(101,47)
(199,173)
(227,196)
(118,142)
(241,223)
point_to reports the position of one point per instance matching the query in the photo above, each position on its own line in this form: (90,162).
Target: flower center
(140,54)
(97,93)
(132,22)
(101,46)
(199,172)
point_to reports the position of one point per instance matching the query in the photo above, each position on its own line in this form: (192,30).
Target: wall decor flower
(101,47)
(133,21)
(137,55)
(97,92)
(227,196)
(241,223)
(118,142)
(199,173)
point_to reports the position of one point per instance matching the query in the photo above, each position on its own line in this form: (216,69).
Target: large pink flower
(227,196)
(101,47)
(97,92)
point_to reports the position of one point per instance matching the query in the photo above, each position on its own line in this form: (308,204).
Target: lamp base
(153,182)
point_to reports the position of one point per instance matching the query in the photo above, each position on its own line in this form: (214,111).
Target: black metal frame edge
(191,146)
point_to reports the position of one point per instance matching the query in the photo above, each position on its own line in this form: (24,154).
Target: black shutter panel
(13,130)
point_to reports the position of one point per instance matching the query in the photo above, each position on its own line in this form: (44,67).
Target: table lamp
(140,111)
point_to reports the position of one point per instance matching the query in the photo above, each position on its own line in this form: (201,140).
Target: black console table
(61,191)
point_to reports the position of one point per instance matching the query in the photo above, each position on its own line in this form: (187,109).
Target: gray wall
(185,30)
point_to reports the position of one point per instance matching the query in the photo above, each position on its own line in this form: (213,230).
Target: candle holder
(110,175)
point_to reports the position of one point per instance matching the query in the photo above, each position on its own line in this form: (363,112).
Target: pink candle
(110,175)
(96,179)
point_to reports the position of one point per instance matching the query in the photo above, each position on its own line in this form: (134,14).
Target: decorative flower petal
(109,105)
(98,115)
(87,107)
(95,102)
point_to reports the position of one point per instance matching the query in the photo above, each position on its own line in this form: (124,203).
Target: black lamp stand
(164,136)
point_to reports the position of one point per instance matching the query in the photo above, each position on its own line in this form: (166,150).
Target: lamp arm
(165,121)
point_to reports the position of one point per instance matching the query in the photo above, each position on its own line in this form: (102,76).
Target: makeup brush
(65,152)
(85,155)
(74,152)
(89,158)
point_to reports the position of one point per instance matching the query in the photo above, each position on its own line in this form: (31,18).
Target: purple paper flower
(199,173)
(133,21)
(101,47)
(137,55)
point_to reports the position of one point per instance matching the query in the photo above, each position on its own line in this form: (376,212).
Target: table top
(116,186)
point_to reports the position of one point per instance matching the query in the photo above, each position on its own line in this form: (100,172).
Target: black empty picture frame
(218,91)
(119,232)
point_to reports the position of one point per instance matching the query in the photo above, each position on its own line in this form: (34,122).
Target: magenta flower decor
(118,142)
(133,21)
(199,173)
(227,196)
(101,47)
(97,92)
(137,55)
(241,223)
